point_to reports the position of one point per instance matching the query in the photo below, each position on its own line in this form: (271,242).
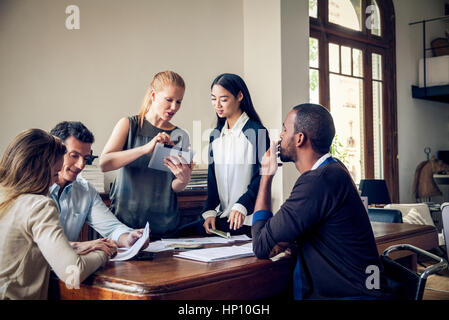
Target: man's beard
(286,154)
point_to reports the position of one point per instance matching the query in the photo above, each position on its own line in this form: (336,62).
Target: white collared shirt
(321,160)
(233,168)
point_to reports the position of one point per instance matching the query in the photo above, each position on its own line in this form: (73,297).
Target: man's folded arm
(296,215)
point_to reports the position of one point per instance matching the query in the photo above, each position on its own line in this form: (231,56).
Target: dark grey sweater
(325,216)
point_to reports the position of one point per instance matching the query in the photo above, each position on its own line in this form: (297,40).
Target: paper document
(157,246)
(218,253)
(206,240)
(129,253)
(169,244)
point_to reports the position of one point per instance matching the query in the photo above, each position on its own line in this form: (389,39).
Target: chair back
(375,190)
(445,218)
(405,283)
(422,210)
(384,215)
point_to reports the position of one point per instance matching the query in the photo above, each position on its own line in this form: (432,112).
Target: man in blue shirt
(77,199)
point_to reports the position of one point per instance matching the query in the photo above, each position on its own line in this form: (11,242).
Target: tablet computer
(162,151)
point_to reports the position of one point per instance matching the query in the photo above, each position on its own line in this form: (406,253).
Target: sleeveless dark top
(140,194)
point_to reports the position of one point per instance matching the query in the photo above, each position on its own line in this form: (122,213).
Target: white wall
(420,123)
(262,57)
(276,69)
(262,68)
(100,73)
(295,68)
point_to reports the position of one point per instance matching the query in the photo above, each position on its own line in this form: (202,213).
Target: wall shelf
(432,93)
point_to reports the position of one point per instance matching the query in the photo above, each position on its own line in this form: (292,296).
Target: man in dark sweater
(324,214)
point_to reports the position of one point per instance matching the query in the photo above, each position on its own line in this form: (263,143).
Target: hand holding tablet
(162,152)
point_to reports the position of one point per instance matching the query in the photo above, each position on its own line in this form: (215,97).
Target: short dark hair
(66,129)
(317,124)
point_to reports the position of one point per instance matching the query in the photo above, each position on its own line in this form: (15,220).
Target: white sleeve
(209,213)
(103,220)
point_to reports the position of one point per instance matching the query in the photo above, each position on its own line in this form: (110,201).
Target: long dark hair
(234,84)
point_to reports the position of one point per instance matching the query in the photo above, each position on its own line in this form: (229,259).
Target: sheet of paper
(157,246)
(206,240)
(242,237)
(123,255)
(218,253)
(167,244)
(202,240)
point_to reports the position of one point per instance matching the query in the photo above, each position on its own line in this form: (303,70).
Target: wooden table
(388,234)
(168,277)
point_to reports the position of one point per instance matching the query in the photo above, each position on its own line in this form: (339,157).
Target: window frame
(326,32)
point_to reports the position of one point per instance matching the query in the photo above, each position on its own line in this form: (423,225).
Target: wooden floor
(435,295)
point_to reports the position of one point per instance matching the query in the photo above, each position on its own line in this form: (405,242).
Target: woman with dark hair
(32,239)
(236,146)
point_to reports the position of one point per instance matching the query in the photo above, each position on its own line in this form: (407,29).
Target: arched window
(352,73)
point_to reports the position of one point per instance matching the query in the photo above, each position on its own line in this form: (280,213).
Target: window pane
(377,130)
(313,53)
(313,8)
(346,60)
(377,66)
(314,82)
(346,103)
(357,62)
(373,19)
(334,57)
(347,13)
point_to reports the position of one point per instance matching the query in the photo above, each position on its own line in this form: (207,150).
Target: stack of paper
(168,244)
(157,246)
(198,180)
(207,240)
(218,253)
(95,176)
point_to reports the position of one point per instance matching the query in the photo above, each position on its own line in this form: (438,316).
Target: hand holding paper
(131,252)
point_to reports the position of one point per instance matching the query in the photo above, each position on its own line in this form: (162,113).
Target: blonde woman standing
(32,239)
(141,194)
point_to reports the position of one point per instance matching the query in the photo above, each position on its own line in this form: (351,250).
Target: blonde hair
(160,80)
(26,164)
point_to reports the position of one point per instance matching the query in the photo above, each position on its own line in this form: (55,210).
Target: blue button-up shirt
(80,202)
